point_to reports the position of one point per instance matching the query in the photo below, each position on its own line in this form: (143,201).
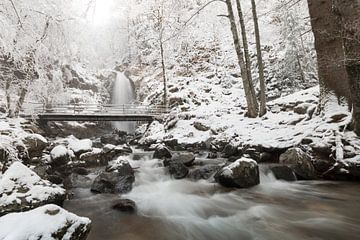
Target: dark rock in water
(186,158)
(203,172)
(300,162)
(35,144)
(162,152)
(56,179)
(283,173)
(117,178)
(230,150)
(80,171)
(212,155)
(120,166)
(125,205)
(113,139)
(75,180)
(243,173)
(112,182)
(178,170)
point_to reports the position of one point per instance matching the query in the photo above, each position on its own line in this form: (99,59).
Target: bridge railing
(91,109)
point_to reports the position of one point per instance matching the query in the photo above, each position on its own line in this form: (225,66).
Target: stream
(184,209)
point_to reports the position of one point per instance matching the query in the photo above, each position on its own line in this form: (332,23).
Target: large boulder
(283,173)
(118,178)
(204,172)
(162,152)
(60,156)
(178,170)
(93,158)
(242,173)
(35,144)
(21,189)
(125,205)
(80,146)
(186,158)
(300,162)
(111,152)
(47,222)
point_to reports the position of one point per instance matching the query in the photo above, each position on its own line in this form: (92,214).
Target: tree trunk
(349,11)
(164,73)
(260,61)
(248,86)
(329,47)
(21,100)
(7,93)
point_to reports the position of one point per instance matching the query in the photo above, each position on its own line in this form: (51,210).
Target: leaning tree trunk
(349,12)
(260,61)
(329,48)
(248,86)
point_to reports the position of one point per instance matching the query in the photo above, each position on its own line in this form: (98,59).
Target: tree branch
(17,13)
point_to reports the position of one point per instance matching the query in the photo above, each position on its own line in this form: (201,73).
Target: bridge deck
(90,112)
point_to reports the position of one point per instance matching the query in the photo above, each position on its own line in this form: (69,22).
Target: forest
(179,119)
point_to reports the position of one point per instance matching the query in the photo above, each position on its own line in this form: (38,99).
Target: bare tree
(259,60)
(158,15)
(248,85)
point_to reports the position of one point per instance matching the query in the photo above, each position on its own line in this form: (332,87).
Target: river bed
(183,209)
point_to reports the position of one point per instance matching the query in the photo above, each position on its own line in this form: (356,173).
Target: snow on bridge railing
(94,109)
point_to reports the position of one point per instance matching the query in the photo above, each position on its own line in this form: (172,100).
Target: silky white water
(201,210)
(123,93)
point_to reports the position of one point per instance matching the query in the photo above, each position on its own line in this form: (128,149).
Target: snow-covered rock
(48,222)
(35,144)
(162,152)
(21,189)
(118,178)
(60,155)
(153,134)
(243,173)
(80,146)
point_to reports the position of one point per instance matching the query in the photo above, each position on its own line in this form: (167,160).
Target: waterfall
(123,93)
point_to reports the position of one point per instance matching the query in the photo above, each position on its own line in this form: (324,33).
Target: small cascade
(123,93)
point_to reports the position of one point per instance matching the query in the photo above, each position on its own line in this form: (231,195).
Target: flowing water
(185,210)
(123,93)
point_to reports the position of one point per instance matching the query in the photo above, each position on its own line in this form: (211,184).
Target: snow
(19,182)
(41,223)
(59,151)
(76,145)
(228,170)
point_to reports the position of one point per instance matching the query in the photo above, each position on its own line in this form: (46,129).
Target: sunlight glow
(102,12)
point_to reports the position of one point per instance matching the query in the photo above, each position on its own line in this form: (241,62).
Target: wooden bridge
(93,112)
